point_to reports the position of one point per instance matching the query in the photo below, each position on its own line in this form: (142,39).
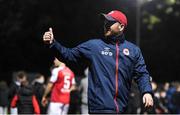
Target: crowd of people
(22,96)
(166,99)
(64,92)
(38,95)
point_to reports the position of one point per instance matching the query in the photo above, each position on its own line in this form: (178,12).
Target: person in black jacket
(25,100)
(18,78)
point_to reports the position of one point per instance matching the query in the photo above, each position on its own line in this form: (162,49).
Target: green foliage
(159,10)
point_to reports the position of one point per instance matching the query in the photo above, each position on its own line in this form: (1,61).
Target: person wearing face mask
(112,61)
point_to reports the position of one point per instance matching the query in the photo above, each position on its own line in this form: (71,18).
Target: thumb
(50,29)
(144,100)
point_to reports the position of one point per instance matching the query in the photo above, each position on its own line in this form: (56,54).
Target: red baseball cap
(116,15)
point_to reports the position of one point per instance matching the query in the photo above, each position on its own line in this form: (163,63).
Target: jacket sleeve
(14,101)
(141,75)
(35,105)
(73,55)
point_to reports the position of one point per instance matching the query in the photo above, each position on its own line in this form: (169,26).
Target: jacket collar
(115,39)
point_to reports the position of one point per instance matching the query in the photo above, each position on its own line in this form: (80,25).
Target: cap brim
(105,16)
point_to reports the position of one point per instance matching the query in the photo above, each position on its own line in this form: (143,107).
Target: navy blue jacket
(113,63)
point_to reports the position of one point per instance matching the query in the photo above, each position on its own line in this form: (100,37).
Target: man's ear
(121,27)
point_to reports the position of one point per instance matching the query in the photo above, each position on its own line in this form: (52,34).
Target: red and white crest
(126,51)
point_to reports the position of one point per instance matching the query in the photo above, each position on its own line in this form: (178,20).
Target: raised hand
(48,37)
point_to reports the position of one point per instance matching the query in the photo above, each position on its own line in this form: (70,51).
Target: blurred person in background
(25,99)
(39,88)
(18,78)
(163,96)
(3,98)
(156,96)
(169,95)
(166,86)
(160,99)
(176,99)
(84,90)
(61,83)
(75,100)
(134,106)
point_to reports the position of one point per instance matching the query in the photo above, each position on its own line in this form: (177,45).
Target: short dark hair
(21,74)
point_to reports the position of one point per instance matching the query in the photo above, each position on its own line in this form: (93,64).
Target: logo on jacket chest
(106,52)
(126,51)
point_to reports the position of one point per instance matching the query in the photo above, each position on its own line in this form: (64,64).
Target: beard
(107,33)
(110,33)
(107,27)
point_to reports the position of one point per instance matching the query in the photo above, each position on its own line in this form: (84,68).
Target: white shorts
(14,111)
(58,108)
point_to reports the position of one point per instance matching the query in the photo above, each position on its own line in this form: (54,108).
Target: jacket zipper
(117,63)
